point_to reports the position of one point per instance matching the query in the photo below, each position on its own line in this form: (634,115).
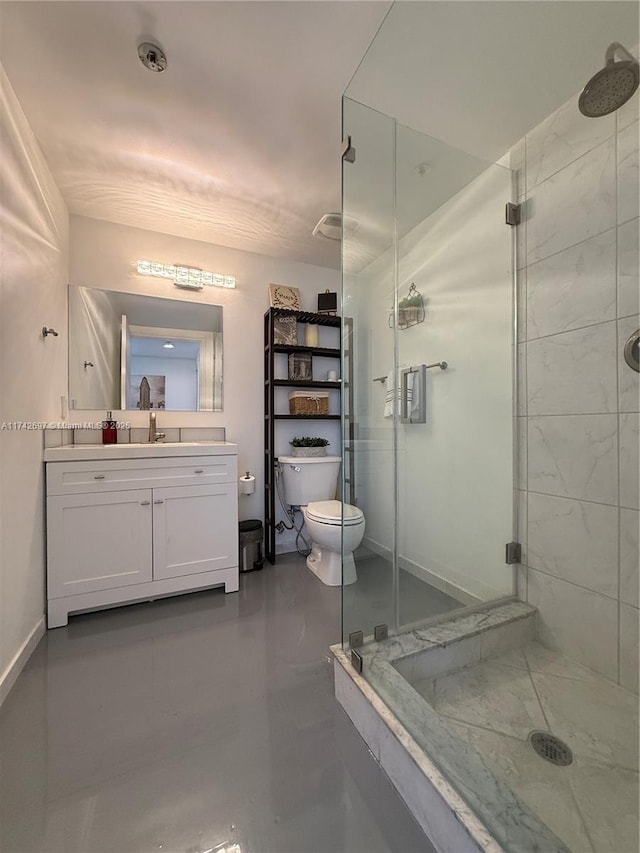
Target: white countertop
(157,450)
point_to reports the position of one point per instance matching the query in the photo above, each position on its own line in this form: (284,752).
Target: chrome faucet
(154,435)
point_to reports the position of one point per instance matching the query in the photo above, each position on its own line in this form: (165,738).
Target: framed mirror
(128,351)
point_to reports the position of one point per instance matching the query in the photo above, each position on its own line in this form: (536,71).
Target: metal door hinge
(356,660)
(513,553)
(348,151)
(356,639)
(380,632)
(512,214)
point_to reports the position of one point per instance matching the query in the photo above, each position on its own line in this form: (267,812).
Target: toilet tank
(309,478)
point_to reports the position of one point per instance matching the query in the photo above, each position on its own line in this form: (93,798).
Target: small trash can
(250,535)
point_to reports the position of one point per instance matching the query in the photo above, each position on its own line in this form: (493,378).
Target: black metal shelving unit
(271,349)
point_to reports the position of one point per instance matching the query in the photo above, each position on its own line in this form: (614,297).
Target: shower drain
(551,748)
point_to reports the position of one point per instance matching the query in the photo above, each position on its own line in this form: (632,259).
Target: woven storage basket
(306,403)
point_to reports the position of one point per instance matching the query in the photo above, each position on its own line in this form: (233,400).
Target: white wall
(104,255)
(580,402)
(33,370)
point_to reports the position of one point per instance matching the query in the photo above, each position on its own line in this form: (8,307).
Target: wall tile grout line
(572,246)
(573,583)
(599,144)
(610,414)
(574,329)
(571,498)
(525,272)
(617,239)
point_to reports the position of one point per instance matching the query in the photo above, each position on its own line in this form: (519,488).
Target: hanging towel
(391,388)
(412,398)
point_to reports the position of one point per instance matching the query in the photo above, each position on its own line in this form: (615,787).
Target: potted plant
(307,446)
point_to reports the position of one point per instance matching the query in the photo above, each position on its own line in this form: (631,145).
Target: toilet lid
(330,512)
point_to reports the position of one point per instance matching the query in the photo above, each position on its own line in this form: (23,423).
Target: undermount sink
(141,450)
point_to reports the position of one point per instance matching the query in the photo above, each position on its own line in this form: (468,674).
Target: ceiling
(465,81)
(236,143)
(155,348)
(479,75)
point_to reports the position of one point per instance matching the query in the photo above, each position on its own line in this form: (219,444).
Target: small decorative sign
(328,303)
(281,296)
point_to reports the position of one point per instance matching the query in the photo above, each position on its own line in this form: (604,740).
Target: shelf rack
(271,349)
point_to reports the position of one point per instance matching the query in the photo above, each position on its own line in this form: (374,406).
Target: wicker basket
(307,403)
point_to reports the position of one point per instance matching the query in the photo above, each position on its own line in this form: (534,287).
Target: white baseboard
(426,575)
(11,673)
(377,548)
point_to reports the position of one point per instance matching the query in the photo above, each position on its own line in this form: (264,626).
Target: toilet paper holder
(247,484)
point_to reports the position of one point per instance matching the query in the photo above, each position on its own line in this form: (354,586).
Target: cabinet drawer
(66,478)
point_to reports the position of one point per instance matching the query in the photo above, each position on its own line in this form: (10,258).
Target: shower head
(611,87)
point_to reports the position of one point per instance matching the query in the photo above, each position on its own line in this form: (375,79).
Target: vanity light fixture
(168,345)
(189,277)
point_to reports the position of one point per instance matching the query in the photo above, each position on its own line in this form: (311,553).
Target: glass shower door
(429,361)
(454,344)
(368,291)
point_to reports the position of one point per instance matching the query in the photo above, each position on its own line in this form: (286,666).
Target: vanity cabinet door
(98,541)
(195,529)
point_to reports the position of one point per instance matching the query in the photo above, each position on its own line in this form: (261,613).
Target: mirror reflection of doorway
(161,377)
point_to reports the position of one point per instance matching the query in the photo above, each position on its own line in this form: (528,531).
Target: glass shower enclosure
(489,403)
(428,287)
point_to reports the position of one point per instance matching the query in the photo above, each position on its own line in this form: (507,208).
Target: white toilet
(310,483)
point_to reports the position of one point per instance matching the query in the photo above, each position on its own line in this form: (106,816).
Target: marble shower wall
(579,402)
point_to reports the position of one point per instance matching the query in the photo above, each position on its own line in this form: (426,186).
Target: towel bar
(441,364)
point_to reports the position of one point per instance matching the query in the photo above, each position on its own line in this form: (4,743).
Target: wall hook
(88,364)
(46,332)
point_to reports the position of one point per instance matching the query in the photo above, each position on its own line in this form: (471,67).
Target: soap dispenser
(109,430)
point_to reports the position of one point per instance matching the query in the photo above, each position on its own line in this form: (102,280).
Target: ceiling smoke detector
(152,57)
(330,226)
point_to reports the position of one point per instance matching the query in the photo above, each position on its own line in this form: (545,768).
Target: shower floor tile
(539,784)
(592,804)
(498,698)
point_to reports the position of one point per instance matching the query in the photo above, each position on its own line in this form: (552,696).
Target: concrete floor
(369,601)
(199,723)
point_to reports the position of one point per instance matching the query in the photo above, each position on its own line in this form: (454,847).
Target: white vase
(311,335)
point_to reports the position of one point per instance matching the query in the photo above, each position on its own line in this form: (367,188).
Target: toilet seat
(331,513)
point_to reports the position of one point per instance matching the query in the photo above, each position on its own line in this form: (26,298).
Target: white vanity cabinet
(124,530)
